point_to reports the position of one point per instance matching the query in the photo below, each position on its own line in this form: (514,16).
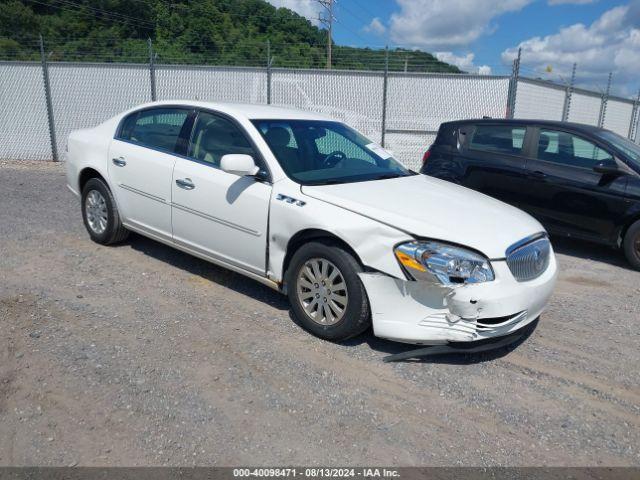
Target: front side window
(214,136)
(315,152)
(156,128)
(568,149)
(498,139)
(629,148)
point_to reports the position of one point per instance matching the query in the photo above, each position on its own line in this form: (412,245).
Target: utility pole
(327,21)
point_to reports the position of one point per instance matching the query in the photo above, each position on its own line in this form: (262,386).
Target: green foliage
(215,32)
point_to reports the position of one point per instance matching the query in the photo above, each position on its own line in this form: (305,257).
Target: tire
(100,214)
(304,285)
(632,245)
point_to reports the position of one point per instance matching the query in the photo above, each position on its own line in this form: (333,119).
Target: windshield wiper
(326,182)
(388,176)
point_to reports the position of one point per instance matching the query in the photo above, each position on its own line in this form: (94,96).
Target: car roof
(526,121)
(250,111)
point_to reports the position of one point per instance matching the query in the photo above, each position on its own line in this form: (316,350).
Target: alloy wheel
(322,291)
(95,207)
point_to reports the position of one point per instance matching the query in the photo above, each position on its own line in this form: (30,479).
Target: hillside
(220,32)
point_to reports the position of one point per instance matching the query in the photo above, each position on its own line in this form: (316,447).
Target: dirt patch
(142,355)
(586,282)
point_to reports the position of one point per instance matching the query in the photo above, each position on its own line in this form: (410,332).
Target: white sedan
(310,207)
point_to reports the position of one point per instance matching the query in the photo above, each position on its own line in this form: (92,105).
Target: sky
(483,36)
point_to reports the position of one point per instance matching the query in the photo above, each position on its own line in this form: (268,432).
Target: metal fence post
(384,94)
(152,71)
(634,118)
(268,72)
(568,94)
(513,86)
(605,99)
(47,95)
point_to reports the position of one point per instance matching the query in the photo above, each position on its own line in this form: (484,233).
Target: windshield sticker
(378,150)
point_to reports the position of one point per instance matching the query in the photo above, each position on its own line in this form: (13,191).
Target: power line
(118,19)
(114,15)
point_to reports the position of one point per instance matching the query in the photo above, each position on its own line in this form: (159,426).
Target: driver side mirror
(608,167)
(239,164)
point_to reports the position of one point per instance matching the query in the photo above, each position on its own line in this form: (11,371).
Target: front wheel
(100,214)
(326,295)
(632,245)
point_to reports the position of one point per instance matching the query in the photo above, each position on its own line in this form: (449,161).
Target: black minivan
(577,180)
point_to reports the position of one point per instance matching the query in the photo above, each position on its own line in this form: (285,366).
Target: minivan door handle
(119,162)
(185,183)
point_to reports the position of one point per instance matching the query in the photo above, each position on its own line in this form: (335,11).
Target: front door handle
(119,162)
(185,183)
(538,174)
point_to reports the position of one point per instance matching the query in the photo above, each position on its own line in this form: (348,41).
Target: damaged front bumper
(433,314)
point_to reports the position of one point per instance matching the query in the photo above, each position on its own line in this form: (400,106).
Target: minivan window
(214,136)
(156,128)
(498,139)
(568,149)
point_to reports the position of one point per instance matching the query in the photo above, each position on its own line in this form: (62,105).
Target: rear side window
(155,128)
(498,139)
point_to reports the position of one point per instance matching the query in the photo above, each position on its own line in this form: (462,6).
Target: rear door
(566,194)
(141,161)
(493,159)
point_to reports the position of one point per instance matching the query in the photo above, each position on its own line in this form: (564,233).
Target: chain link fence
(24,129)
(539,100)
(401,110)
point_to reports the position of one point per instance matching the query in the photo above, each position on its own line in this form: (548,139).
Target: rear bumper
(426,314)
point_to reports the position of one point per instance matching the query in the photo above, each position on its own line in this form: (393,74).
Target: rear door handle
(119,162)
(185,183)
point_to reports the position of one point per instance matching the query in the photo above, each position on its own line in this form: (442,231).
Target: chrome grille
(529,258)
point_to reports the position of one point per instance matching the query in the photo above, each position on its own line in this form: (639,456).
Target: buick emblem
(538,260)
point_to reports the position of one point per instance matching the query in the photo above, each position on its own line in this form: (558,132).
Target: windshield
(314,152)
(629,148)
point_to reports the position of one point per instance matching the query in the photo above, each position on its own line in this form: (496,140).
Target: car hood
(432,208)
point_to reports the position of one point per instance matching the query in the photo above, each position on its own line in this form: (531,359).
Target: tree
(215,32)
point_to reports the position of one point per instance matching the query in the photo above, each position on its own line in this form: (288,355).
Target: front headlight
(446,263)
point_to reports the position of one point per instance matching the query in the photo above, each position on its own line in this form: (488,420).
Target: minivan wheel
(100,214)
(327,297)
(632,245)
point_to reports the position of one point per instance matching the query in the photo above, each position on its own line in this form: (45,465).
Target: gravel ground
(141,355)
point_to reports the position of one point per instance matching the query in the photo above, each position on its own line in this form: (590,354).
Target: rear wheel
(632,245)
(326,295)
(100,214)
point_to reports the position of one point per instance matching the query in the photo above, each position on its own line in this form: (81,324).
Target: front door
(141,161)
(566,194)
(215,213)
